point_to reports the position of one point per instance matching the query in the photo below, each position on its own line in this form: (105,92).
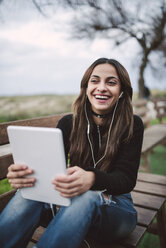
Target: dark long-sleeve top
(122,173)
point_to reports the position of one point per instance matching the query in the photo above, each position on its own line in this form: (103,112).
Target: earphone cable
(109,131)
(88,131)
(86,242)
(52,209)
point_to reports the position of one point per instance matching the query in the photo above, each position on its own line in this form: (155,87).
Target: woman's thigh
(19,218)
(118,218)
(20,211)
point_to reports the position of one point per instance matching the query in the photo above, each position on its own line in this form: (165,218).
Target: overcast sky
(37,56)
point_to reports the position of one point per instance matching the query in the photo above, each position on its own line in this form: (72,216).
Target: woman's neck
(97,120)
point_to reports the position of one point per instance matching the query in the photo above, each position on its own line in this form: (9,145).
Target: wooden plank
(40,230)
(147,201)
(134,238)
(5,150)
(139,103)
(95,244)
(141,111)
(152,178)
(150,188)
(131,241)
(37,234)
(145,216)
(153,136)
(47,121)
(5,161)
(30,245)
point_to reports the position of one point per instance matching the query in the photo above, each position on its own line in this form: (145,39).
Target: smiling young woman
(104,77)
(104,141)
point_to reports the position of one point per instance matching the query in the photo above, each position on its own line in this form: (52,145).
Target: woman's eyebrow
(95,76)
(110,77)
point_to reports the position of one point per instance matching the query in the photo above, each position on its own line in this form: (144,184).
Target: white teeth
(101,97)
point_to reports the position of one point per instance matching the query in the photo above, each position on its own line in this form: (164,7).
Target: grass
(4,186)
(156,121)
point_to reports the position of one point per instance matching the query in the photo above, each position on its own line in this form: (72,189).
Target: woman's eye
(94,81)
(111,83)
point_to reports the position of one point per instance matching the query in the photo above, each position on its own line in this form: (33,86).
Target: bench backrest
(5,155)
(140,108)
(160,107)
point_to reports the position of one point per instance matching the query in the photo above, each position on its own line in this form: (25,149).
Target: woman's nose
(101,87)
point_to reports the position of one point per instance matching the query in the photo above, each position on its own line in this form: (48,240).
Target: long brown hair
(80,153)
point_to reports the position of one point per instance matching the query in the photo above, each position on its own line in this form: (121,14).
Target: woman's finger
(19,173)
(17,167)
(22,182)
(67,185)
(19,186)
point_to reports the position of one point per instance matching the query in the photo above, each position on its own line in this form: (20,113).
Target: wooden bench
(153,135)
(140,108)
(149,194)
(160,107)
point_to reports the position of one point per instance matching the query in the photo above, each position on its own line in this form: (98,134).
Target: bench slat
(5,150)
(5,161)
(152,178)
(153,136)
(150,188)
(147,201)
(145,216)
(49,121)
(135,237)
(131,241)
(40,230)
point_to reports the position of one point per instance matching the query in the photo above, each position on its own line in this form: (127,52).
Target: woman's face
(103,88)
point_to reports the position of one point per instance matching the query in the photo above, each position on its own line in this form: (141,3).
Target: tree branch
(39,8)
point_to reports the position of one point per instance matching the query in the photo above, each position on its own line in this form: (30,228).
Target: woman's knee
(89,195)
(88,198)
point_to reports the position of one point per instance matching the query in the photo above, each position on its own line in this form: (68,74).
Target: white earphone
(120,94)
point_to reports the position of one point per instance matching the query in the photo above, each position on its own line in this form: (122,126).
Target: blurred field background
(24,107)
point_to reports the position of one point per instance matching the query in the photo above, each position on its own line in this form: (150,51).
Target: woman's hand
(17,176)
(76,182)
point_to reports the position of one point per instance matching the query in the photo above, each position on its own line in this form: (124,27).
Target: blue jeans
(104,219)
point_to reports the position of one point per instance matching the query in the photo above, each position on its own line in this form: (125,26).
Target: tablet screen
(42,150)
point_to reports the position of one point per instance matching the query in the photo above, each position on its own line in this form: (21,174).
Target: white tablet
(42,150)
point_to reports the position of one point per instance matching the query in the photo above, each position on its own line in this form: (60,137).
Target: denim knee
(87,197)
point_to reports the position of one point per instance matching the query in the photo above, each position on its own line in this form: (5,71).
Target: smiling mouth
(102,97)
